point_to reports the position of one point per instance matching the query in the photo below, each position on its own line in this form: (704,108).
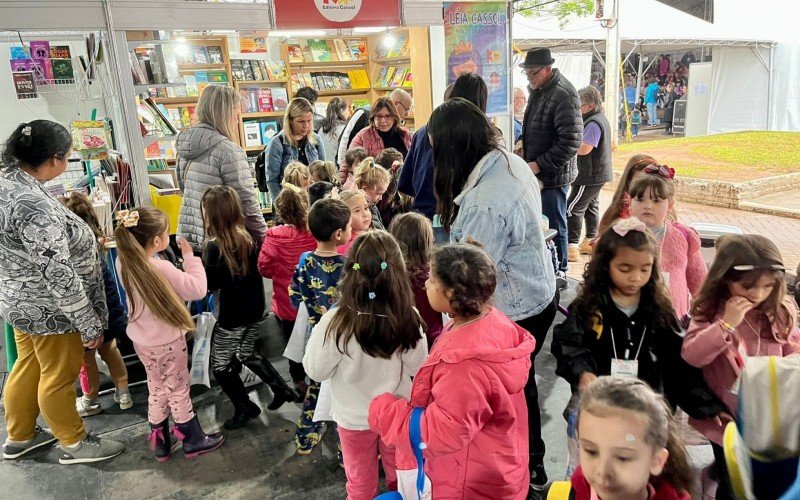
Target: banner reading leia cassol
(335,14)
(476,41)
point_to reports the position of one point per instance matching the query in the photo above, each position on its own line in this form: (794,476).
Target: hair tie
(662,170)
(128,218)
(334,194)
(371,295)
(292,187)
(26,130)
(624,226)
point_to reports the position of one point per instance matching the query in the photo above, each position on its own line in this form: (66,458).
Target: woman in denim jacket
(297,141)
(487,194)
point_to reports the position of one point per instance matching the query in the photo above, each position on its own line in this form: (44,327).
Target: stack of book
(335,49)
(254,70)
(331,80)
(400,48)
(203,55)
(156,65)
(394,77)
(263,99)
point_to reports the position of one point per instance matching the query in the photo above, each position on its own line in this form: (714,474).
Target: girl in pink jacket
(741,311)
(157,324)
(475,423)
(682,267)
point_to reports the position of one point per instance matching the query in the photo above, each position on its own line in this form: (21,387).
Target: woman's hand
(94,344)
(735,309)
(185,247)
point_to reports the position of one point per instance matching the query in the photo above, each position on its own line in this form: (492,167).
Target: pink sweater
(148,330)
(682,261)
(709,347)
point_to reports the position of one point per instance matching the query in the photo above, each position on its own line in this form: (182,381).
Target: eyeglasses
(527,72)
(384,118)
(751,267)
(400,104)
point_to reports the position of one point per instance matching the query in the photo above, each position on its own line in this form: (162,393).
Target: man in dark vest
(551,136)
(594,170)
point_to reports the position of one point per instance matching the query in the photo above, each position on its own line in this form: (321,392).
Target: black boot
(244,409)
(195,440)
(281,391)
(160,441)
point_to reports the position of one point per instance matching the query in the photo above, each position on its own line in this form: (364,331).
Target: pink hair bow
(624,226)
(662,170)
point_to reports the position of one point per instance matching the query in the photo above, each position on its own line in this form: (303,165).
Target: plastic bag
(201,354)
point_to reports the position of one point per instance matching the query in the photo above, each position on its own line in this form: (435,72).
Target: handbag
(412,484)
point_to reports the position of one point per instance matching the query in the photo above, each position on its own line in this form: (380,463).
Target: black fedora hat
(537,57)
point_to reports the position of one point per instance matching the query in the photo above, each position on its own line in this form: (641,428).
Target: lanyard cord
(639,350)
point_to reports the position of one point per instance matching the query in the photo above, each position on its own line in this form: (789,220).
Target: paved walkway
(783,231)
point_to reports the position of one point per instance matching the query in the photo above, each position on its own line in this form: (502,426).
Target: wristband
(727,326)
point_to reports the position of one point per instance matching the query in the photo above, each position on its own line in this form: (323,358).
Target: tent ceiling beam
(646,45)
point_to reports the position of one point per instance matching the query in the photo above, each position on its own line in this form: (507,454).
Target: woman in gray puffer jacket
(208,156)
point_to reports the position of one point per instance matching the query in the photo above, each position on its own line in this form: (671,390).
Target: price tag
(624,368)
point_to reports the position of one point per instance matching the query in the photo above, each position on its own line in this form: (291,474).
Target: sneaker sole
(538,488)
(8,456)
(90,414)
(192,456)
(127,406)
(305,452)
(73,461)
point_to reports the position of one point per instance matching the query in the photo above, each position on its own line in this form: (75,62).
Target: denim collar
(476,174)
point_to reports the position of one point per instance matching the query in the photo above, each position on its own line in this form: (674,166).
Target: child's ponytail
(370,174)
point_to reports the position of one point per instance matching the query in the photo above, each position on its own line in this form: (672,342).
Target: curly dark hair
(293,206)
(469,272)
(655,300)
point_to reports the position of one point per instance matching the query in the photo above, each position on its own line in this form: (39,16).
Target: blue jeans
(652,118)
(554,207)
(635,130)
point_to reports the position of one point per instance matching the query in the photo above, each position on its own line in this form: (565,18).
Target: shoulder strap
(415,435)
(303,258)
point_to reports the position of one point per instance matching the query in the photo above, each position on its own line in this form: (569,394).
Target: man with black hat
(551,135)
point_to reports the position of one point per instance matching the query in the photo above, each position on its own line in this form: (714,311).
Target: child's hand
(586,380)
(722,419)
(735,309)
(186,248)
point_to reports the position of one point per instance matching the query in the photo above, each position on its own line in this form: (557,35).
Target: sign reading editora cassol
(333,14)
(476,41)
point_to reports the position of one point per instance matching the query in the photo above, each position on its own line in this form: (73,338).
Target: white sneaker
(124,400)
(87,407)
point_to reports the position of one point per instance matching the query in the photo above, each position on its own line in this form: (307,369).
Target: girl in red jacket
(279,255)
(741,311)
(475,423)
(629,445)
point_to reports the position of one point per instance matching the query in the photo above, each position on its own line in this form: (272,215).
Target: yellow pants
(43,380)
(116,367)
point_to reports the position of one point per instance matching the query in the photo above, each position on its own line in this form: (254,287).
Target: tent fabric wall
(576,66)
(786,87)
(739,90)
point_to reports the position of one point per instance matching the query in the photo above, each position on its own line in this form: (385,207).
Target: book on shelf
(359,79)
(43,69)
(296,82)
(252,134)
(358,49)
(19,52)
(265,72)
(265,99)
(167,57)
(40,49)
(380,81)
(200,54)
(138,72)
(218,77)
(192,89)
(175,117)
(409,80)
(307,54)
(214,53)
(187,116)
(295,52)
(400,48)
(269,129)
(320,52)
(360,103)
(24,84)
(60,52)
(153,119)
(22,65)
(278,70)
(237,70)
(328,82)
(399,77)
(257,74)
(62,70)
(342,51)
(156,66)
(308,80)
(280,98)
(201,77)
(248,97)
(249,74)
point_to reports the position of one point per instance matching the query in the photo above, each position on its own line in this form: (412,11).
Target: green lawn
(732,157)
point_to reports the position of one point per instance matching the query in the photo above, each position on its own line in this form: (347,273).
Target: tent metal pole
(770,104)
(639,76)
(612,66)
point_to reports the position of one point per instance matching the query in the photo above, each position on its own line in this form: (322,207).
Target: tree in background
(561,9)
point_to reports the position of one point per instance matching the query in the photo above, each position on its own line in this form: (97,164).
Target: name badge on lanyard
(626,368)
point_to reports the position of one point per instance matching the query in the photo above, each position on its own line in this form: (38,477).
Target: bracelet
(727,326)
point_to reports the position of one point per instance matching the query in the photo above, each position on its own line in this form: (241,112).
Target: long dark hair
(472,88)
(376,304)
(460,135)
(335,115)
(655,300)
(33,143)
(223,220)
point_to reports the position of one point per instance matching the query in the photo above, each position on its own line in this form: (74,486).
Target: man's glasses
(530,74)
(398,104)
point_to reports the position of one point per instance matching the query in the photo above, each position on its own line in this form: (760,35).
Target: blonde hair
(217,107)
(347,195)
(138,274)
(297,174)
(297,107)
(324,171)
(370,174)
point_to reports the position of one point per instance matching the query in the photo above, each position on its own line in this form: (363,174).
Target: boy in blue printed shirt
(314,285)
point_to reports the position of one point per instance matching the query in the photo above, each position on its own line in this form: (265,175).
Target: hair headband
(662,170)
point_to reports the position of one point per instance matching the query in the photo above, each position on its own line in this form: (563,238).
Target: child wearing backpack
(741,311)
(314,287)
(157,325)
(414,233)
(475,423)
(230,257)
(682,266)
(370,343)
(630,446)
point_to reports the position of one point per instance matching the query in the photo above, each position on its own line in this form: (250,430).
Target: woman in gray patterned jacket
(51,292)
(209,156)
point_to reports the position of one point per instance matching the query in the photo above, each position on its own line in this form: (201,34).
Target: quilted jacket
(207,158)
(369,139)
(553,130)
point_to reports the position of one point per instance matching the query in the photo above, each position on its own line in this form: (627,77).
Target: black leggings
(538,325)
(724,489)
(296,370)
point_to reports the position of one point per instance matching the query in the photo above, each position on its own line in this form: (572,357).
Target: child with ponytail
(374,180)
(157,325)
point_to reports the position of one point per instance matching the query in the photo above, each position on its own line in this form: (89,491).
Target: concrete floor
(256,461)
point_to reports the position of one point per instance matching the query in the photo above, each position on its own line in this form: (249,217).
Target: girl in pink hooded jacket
(742,310)
(475,423)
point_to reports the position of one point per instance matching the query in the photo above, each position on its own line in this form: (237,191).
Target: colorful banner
(476,41)
(335,14)
(253,42)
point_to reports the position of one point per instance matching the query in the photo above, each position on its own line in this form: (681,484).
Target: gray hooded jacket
(207,158)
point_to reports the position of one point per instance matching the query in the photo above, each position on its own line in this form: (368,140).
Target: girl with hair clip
(371,343)
(230,257)
(620,206)
(414,233)
(682,266)
(471,387)
(157,325)
(630,446)
(87,404)
(360,215)
(323,171)
(741,311)
(280,253)
(373,180)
